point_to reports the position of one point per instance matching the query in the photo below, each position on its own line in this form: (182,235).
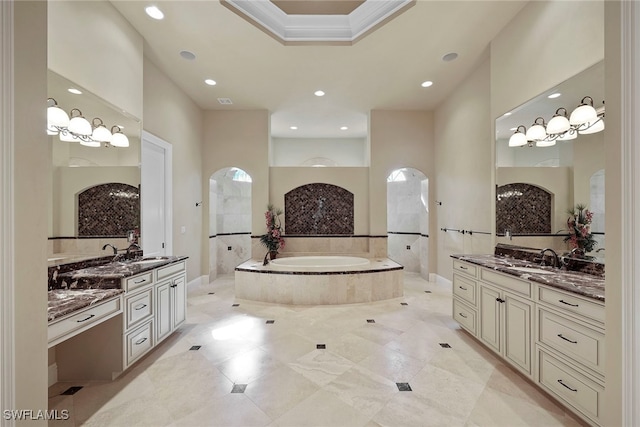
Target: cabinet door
(179,290)
(517,323)
(490,317)
(163,310)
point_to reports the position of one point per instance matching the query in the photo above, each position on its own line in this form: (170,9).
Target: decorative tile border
(523,209)
(110,209)
(314,209)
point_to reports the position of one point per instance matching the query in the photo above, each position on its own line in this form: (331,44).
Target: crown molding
(345,29)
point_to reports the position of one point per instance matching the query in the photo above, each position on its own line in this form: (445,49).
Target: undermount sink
(532,270)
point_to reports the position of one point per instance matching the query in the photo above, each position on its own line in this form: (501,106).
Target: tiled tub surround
(110,209)
(523,209)
(295,245)
(318,209)
(381,279)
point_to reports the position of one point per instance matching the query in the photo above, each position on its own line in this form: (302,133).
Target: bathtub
(319,280)
(319,263)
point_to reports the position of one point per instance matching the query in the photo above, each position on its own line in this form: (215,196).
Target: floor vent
(321,346)
(71,390)
(371,321)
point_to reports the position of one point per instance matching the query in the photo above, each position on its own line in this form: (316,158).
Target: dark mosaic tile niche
(318,209)
(523,209)
(110,209)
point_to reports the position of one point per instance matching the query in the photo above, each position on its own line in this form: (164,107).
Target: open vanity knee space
(547,323)
(98,339)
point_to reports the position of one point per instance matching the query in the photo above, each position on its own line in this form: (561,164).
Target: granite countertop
(580,283)
(64,301)
(108,276)
(89,286)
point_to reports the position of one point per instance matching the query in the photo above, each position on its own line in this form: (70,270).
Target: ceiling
(383,70)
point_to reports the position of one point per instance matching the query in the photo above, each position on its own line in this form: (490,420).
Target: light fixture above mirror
(73,127)
(584,119)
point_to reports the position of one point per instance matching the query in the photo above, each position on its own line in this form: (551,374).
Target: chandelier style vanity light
(585,119)
(73,127)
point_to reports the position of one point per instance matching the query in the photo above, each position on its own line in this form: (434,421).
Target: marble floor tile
(289,382)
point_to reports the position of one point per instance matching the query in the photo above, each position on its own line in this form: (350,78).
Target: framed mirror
(537,186)
(94,197)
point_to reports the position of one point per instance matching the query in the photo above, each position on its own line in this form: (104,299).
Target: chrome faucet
(556,260)
(115,250)
(133,246)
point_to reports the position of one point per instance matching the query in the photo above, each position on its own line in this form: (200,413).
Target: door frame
(7,243)
(149,138)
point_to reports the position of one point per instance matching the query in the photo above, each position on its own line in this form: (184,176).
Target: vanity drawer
(583,344)
(64,328)
(170,269)
(139,341)
(137,281)
(571,303)
(570,386)
(465,267)
(465,316)
(507,282)
(464,288)
(138,307)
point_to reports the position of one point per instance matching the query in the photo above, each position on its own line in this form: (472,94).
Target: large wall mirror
(537,186)
(94,196)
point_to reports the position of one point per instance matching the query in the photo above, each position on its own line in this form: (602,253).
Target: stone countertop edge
(119,270)
(579,283)
(63,302)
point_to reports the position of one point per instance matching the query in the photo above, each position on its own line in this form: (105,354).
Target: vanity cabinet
(152,306)
(555,338)
(570,350)
(170,302)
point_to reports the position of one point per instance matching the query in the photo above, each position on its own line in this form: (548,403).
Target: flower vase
(273,254)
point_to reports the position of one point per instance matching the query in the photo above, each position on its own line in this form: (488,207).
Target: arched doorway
(229,220)
(408,219)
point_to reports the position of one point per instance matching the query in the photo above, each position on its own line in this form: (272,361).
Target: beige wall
(614,221)
(546,43)
(356,180)
(399,139)
(240,139)
(463,175)
(91,44)
(31,176)
(173,117)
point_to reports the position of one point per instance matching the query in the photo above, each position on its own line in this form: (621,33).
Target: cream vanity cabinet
(171,301)
(570,350)
(555,338)
(505,318)
(152,306)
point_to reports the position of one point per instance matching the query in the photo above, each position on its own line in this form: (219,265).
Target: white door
(155,196)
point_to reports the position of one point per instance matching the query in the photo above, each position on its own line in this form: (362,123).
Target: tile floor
(376,364)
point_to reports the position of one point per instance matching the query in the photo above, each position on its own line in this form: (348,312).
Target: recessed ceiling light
(554,95)
(427,83)
(154,12)
(450,57)
(318,93)
(74,91)
(344,128)
(293,127)
(210,82)
(507,114)
(188,55)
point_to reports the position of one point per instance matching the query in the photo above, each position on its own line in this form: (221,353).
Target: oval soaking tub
(311,280)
